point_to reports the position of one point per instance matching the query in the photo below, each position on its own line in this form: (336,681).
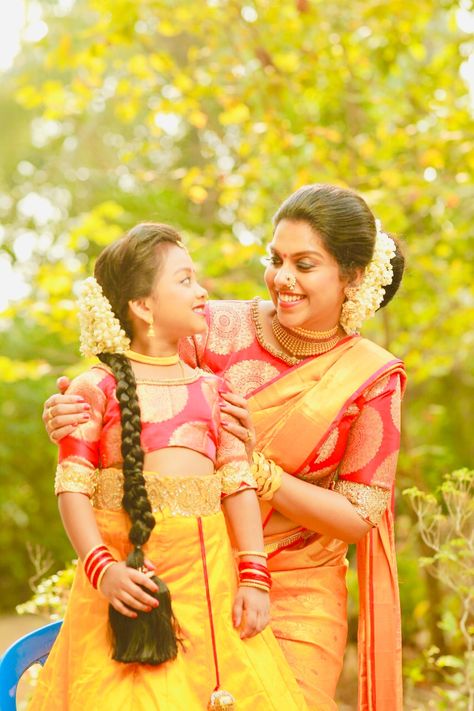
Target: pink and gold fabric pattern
(174,414)
(359,466)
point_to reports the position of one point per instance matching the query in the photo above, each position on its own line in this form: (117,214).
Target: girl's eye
(187,280)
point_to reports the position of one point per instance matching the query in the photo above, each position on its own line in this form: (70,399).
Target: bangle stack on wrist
(267,474)
(96,562)
(254,575)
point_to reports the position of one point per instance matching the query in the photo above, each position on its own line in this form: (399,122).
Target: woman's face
(315,302)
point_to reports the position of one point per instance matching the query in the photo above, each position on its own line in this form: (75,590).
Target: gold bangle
(102,572)
(265,588)
(260,554)
(267,474)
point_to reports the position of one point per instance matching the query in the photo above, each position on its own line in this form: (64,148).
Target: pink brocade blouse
(180,413)
(358,456)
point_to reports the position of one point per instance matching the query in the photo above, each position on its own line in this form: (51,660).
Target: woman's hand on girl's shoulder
(62,413)
(251,611)
(122,586)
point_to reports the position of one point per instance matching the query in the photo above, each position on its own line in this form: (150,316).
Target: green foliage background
(206,115)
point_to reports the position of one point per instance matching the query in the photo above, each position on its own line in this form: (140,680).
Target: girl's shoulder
(216,382)
(98,377)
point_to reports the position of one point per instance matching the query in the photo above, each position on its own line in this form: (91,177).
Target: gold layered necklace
(282,355)
(301,343)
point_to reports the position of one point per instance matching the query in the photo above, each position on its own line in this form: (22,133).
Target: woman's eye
(187,280)
(304,266)
(271,260)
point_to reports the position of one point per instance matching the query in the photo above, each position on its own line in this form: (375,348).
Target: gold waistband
(174,496)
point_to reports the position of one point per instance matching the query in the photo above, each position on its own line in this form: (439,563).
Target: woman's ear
(355,277)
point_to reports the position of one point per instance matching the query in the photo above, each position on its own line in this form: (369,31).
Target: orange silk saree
(292,415)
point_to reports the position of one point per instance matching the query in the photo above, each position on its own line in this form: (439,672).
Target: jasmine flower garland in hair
(364,299)
(101,331)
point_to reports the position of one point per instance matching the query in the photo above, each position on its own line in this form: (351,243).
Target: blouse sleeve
(232,464)
(366,473)
(79,451)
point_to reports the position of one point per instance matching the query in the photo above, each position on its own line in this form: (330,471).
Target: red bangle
(96,562)
(254,566)
(92,554)
(254,575)
(98,573)
(250,577)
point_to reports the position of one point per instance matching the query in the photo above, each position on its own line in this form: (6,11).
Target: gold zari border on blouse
(369,502)
(75,477)
(235,474)
(175,496)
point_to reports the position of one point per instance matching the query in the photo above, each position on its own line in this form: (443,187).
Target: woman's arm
(120,584)
(318,509)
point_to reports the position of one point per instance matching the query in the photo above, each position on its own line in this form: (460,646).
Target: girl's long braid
(135,498)
(152,637)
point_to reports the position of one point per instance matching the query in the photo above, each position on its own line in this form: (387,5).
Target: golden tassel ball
(221,699)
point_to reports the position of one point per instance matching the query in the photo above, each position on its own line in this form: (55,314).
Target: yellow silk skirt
(308,610)
(79,674)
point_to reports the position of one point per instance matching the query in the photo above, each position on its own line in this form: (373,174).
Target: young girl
(140,486)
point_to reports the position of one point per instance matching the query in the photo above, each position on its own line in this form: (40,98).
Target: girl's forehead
(178,257)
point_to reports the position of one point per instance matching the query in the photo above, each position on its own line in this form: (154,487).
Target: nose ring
(290,281)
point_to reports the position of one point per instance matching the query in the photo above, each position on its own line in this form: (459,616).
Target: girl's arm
(251,610)
(120,584)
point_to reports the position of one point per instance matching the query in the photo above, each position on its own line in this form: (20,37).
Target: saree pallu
(308,613)
(80,673)
(301,407)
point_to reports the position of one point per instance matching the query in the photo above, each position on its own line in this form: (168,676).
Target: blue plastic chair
(31,649)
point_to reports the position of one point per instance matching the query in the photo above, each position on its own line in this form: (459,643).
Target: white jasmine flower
(364,299)
(101,331)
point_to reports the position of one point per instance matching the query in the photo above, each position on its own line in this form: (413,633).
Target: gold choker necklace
(313,335)
(152,360)
(301,345)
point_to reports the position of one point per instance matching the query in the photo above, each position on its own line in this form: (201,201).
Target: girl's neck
(154,347)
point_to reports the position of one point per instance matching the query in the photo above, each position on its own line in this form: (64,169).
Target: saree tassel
(221,699)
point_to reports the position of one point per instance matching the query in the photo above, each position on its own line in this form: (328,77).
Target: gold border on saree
(289,540)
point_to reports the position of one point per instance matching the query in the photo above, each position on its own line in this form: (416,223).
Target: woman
(146,475)
(325,404)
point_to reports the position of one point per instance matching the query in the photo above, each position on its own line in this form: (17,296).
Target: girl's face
(315,302)
(177,300)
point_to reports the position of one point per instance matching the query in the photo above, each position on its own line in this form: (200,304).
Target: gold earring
(151,331)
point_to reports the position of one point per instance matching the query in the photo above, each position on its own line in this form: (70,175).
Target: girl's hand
(121,586)
(63,413)
(251,611)
(239,422)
